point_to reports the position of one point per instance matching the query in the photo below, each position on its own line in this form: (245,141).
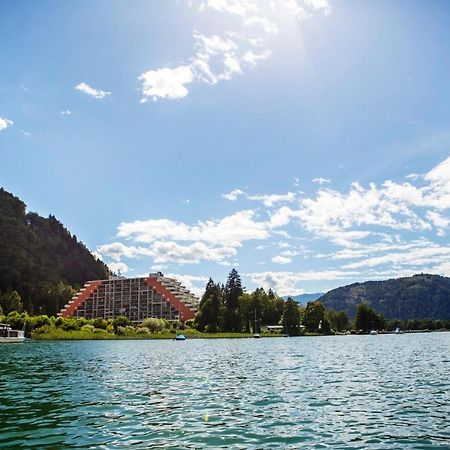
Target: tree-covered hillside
(40,259)
(420,296)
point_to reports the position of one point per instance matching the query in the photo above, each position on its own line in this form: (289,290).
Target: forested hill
(420,296)
(40,259)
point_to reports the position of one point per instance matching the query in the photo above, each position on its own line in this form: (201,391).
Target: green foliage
(153,325)
(88,327)
(210,311)
(338,320)
(16,319)
(120,322)
(313,317)
(233,290)
(70,324)
(99,323)
(11,301)
(40,259)
(220,310)
(367,319)
(291,318)
(143,330)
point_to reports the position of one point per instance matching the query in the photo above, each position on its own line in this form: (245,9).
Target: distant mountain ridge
(421,296)
(40,259)
(305,298)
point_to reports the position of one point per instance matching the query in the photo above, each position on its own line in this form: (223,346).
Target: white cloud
(416,257)
(117,267)
(194,283)
(218,57)
(117,251)
(237,7)
(164,252)
(267,199)
(372,232)
(321,180)
(230,231)
(96,93)
(166,83)
(233,195)
(289,283)
(5,123)
(323,5)
(281,259)
(66,112)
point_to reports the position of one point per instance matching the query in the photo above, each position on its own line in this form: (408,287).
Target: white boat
(374,332)
(398,331)
(8,335)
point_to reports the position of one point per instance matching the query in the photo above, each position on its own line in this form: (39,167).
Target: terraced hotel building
(135,298)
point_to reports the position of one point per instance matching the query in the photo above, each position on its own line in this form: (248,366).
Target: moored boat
(8,335)
(180,337)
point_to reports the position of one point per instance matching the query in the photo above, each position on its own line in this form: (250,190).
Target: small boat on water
(398,331)
(180,337)
(374,332)
(8,335)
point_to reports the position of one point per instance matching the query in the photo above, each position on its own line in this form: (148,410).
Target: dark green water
(377,392)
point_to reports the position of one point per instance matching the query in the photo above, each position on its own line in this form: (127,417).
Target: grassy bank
(75,335)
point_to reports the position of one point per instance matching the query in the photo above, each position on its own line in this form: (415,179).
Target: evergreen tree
(368,319)
(233,290)
(11,301)
(291,317)
(313,316)
(209,315)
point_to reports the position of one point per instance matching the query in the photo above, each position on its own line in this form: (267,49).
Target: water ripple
(355,392)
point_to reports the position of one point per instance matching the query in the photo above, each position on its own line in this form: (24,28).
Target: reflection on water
(380,392)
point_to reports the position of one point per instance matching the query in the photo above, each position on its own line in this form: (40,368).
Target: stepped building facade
(135,298)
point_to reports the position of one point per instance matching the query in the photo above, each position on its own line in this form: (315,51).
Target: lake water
(377,392)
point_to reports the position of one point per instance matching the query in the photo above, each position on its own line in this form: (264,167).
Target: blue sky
(304,142)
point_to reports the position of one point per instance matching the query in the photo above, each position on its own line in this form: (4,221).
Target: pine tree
(233,290)
(291,317)
(209,315)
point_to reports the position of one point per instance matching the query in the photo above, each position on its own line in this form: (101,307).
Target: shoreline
(60,335)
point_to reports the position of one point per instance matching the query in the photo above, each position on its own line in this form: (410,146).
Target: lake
(338,392)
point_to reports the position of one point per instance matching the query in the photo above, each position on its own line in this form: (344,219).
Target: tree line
(226,308)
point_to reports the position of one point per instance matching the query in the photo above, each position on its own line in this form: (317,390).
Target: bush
(153,324)
(70,324)
(40,321)
(120,322)
(88,328)
(44,329)
(121,331)
(143,330)
(130,329)
(99,323)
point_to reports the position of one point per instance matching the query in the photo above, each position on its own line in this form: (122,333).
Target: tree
(341,321)
(153,324)
(291,317)
(368,319)
(209,315)
(11,301)
(313,316)
(338,320)
(233,290)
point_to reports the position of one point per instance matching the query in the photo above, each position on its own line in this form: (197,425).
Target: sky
(305,143)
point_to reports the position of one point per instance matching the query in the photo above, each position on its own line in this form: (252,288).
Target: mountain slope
(419,296)
(303,299)
(40,259)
